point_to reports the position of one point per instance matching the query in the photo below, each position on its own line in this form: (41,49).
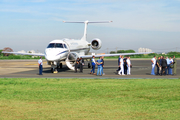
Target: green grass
(87,99)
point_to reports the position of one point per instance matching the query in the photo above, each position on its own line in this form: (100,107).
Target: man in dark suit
(81,63)
(125,65)
(76,64)
(158,65)
(175,65)
(163,65)
(119,68)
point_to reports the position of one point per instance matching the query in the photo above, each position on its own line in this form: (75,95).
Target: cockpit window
(51,45)
(59,45)
(65,46)
(55,45)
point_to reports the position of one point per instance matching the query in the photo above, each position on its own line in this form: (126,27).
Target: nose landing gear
(54,68)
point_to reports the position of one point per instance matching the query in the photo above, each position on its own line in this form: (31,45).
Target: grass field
(46,98)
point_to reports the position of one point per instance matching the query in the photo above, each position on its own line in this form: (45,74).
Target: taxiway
(141,68)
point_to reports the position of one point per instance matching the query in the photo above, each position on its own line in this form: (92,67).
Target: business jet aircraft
(69,50)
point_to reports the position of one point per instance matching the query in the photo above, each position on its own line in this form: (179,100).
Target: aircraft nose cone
(51,54)
(54,54)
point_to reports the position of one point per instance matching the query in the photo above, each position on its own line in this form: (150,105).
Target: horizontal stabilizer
(88,21)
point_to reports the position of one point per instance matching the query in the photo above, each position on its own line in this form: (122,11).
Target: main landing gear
(89,65)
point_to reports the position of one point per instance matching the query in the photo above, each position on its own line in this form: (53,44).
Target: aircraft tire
(52,70)
(89,65)
(60,65)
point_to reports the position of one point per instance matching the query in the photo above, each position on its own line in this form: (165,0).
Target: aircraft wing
(32,54)
(109,55)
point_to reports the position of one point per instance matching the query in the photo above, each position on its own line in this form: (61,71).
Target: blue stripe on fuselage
(62,52)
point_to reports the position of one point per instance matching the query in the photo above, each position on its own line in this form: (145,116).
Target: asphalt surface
(29,69)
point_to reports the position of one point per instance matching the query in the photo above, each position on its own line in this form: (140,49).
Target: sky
(32,24)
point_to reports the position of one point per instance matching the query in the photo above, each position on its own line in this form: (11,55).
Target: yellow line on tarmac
(31,64)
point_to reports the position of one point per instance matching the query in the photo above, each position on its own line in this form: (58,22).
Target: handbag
(171,66)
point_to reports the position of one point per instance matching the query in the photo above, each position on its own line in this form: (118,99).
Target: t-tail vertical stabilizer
(85,28)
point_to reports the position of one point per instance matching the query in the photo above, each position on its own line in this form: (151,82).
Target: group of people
(164,65)
(124,65)
(100,66)
(80,63)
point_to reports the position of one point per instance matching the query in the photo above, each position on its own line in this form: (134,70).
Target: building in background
(22,51)
(31,51)
(140,50)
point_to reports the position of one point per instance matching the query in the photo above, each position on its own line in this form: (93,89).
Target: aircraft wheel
(89,65)
(52,70)
(60,65)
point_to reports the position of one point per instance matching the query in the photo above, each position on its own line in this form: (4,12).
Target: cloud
(132,14)
(137,15)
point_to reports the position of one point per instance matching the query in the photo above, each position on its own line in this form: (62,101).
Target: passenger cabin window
(55,45)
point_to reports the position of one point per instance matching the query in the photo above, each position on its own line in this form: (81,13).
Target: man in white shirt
(122,66)
(168,66)
(40,63)
(93,63)
(153,60)
(171,63)
(128,66)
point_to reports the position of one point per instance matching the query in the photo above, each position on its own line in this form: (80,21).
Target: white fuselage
(58,50)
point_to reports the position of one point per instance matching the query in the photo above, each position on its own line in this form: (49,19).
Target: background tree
(125,51)
(1,52)
(7,49)
(112,52)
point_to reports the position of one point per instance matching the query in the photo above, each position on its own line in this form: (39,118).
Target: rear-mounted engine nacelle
(96,44)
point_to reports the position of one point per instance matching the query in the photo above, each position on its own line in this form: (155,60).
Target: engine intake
(96,44)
